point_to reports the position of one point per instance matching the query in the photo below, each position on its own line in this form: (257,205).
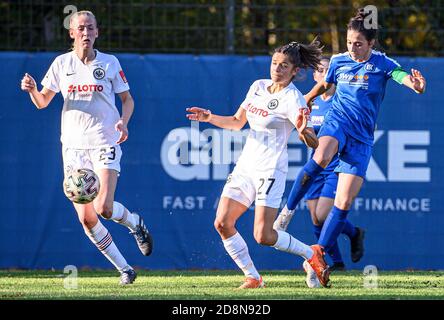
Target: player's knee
(322,159)
(320,218)
(223,226)
(264,238)
(344,203)
(87,223)
(106,211)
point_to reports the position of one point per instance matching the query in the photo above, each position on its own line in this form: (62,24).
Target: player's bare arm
(235,122)
(317,90)
(40,99)
(127,111)
(306,135)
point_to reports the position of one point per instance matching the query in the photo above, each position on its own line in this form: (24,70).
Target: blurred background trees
(408,27)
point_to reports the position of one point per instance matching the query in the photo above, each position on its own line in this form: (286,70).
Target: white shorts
(264,188)
(94,159)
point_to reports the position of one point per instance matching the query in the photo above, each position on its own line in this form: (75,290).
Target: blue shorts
(354,155)
(324,185)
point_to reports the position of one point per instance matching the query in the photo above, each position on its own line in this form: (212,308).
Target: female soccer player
(320,196)
(360,76)
(92,130)
(273,108)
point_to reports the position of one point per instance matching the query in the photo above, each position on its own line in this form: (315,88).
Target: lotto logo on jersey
(257,111)
(85,88)
(122,75)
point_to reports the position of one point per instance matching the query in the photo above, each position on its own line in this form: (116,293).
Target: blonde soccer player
(273,108)
(92,131)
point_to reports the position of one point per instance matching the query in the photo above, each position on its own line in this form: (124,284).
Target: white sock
(285,242)
(238,251)
(122,216)
(100,236)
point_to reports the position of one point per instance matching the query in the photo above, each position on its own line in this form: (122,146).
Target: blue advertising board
(175,183)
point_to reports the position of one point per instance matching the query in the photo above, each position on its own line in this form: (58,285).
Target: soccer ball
(81,186)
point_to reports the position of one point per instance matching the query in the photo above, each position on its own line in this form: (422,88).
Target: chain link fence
(413,28)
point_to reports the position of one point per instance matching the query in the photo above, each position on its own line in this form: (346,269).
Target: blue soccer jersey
(319,110)
(360,89)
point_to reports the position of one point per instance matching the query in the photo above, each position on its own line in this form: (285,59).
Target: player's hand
(28,83)
(418,80)
(198,114)
(122,128)
(302,119)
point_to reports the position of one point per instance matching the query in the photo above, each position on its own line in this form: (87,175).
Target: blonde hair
(80,13)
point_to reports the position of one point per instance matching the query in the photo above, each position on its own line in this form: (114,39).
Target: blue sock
(303,181)
(333,226)
(349,229)
(334,252)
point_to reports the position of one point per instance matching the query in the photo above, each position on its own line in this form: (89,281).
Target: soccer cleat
(357,245)
(252,283)
(283,219)
(318,264)
(311,280)
(127,277)
(337,266)
(143,237)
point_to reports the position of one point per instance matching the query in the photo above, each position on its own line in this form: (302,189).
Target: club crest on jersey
(369,67)
(99,73)
(273,104)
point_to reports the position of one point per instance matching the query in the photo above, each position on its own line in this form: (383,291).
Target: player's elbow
(326,85)
(41,105)
(237,125)
(237,128)
(41,101)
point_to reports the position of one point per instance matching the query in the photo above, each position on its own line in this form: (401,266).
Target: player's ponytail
(303,55)
(357,23)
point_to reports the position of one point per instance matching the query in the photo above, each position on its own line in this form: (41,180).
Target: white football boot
(311,279)
(283,219)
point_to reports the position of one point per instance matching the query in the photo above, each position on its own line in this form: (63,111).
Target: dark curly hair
(302,55)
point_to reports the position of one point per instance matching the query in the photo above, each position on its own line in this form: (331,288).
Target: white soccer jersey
(271,117)
(89,112)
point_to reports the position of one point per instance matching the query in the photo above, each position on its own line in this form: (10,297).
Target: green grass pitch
(208,285)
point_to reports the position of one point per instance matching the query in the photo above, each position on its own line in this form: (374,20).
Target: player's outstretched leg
(311,280)
(303,182)
(318,264)
(237,248)
(127,277)
(102,239)
(286,242)
(334,252)
(135,223)
(300,187)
